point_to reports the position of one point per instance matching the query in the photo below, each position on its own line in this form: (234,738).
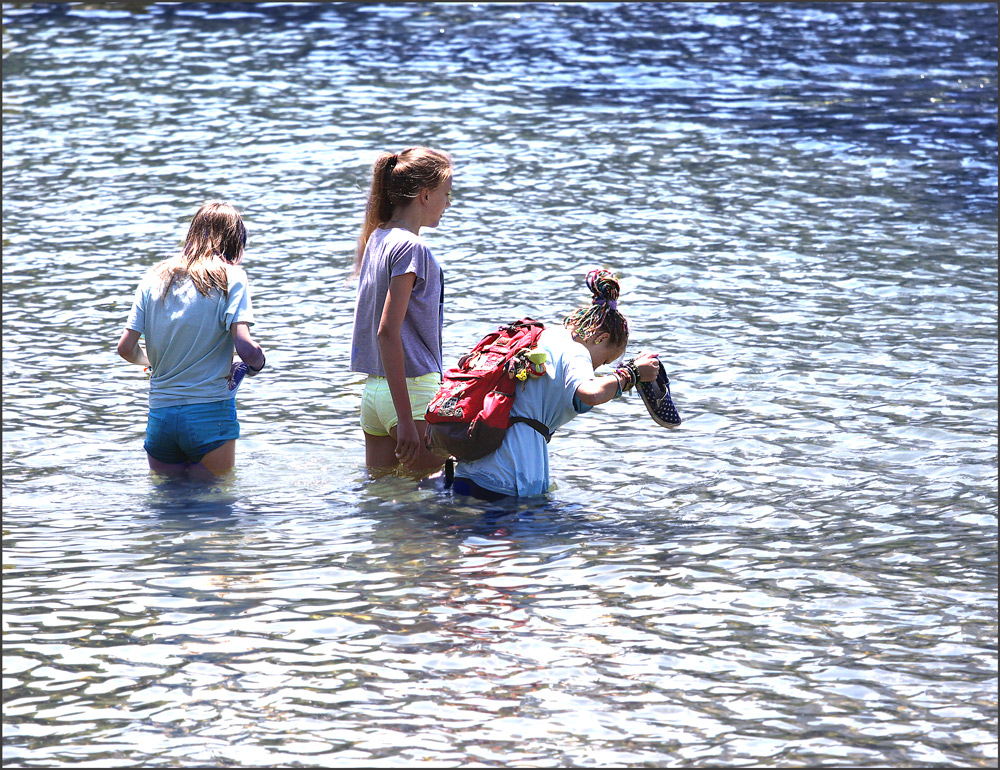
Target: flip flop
(656,397)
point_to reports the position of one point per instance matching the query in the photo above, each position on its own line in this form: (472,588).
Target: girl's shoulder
(166,265)
(558,342)
(557,336)
(396,244)
(395,237)
(235,273)
(161,271)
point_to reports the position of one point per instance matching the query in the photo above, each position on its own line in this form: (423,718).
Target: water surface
(801,202)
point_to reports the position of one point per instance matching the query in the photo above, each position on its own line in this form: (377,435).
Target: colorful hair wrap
(602,314)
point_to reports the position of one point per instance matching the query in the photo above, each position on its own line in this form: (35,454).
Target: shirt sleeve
(571,367)
(577,370)
(239,308)
(413,258)
(137,315)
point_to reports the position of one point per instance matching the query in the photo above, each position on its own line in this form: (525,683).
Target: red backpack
(470,414)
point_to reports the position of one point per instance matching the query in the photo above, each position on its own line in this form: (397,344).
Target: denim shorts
(186,433)
(378,415)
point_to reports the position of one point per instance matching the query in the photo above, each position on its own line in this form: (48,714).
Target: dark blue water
(801,203)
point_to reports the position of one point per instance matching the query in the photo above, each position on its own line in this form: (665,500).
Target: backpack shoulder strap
(538,426)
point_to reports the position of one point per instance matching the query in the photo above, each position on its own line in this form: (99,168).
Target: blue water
(801,202)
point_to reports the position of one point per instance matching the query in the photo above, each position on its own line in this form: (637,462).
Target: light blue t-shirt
(188,336)
(521,465)
(392,252)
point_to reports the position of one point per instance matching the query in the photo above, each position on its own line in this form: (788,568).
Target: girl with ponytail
(590,337)
(398,315)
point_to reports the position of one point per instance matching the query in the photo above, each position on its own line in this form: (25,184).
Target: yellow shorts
(378,415)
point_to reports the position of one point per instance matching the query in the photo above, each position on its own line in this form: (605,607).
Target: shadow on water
(802,201)
(432,513)
(190,504)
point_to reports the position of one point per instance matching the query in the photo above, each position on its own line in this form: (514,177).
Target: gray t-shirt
(389,253)
(188,339)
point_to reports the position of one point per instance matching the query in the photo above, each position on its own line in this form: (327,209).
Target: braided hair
(602,315)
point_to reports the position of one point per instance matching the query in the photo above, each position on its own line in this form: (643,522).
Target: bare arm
(602,389)
(129,349)
(599,390)
(248,350)
(390,346)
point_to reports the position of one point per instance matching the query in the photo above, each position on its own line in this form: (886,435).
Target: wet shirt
(188,337)
(389,253)
(521,465)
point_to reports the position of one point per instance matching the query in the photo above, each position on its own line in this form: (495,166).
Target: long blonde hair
(215,238)
(398,179)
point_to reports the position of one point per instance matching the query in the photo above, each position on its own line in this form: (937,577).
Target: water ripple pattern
(801,202)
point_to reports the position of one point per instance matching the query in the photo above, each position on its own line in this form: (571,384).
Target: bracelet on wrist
(628,375)
(262,363)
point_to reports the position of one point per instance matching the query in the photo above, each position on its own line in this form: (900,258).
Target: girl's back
(188,341)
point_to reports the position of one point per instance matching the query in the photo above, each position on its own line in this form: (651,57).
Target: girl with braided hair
(398,315)
(590,337)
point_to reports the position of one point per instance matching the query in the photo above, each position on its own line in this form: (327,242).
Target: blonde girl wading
(398,316)
(194,310)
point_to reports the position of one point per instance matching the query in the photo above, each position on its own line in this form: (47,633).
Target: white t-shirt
(521,465)
(188,338)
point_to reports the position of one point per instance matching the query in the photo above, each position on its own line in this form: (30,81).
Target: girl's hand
(408,442)
(648,365)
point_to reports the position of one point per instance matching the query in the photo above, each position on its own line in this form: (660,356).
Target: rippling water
(802,203)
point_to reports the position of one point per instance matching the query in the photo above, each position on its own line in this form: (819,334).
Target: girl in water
(398,315)
(194,310)
(590,337)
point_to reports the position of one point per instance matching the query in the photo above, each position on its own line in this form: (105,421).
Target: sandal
(656,397)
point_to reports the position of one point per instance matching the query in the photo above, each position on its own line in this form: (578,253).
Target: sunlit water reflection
(802,204)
